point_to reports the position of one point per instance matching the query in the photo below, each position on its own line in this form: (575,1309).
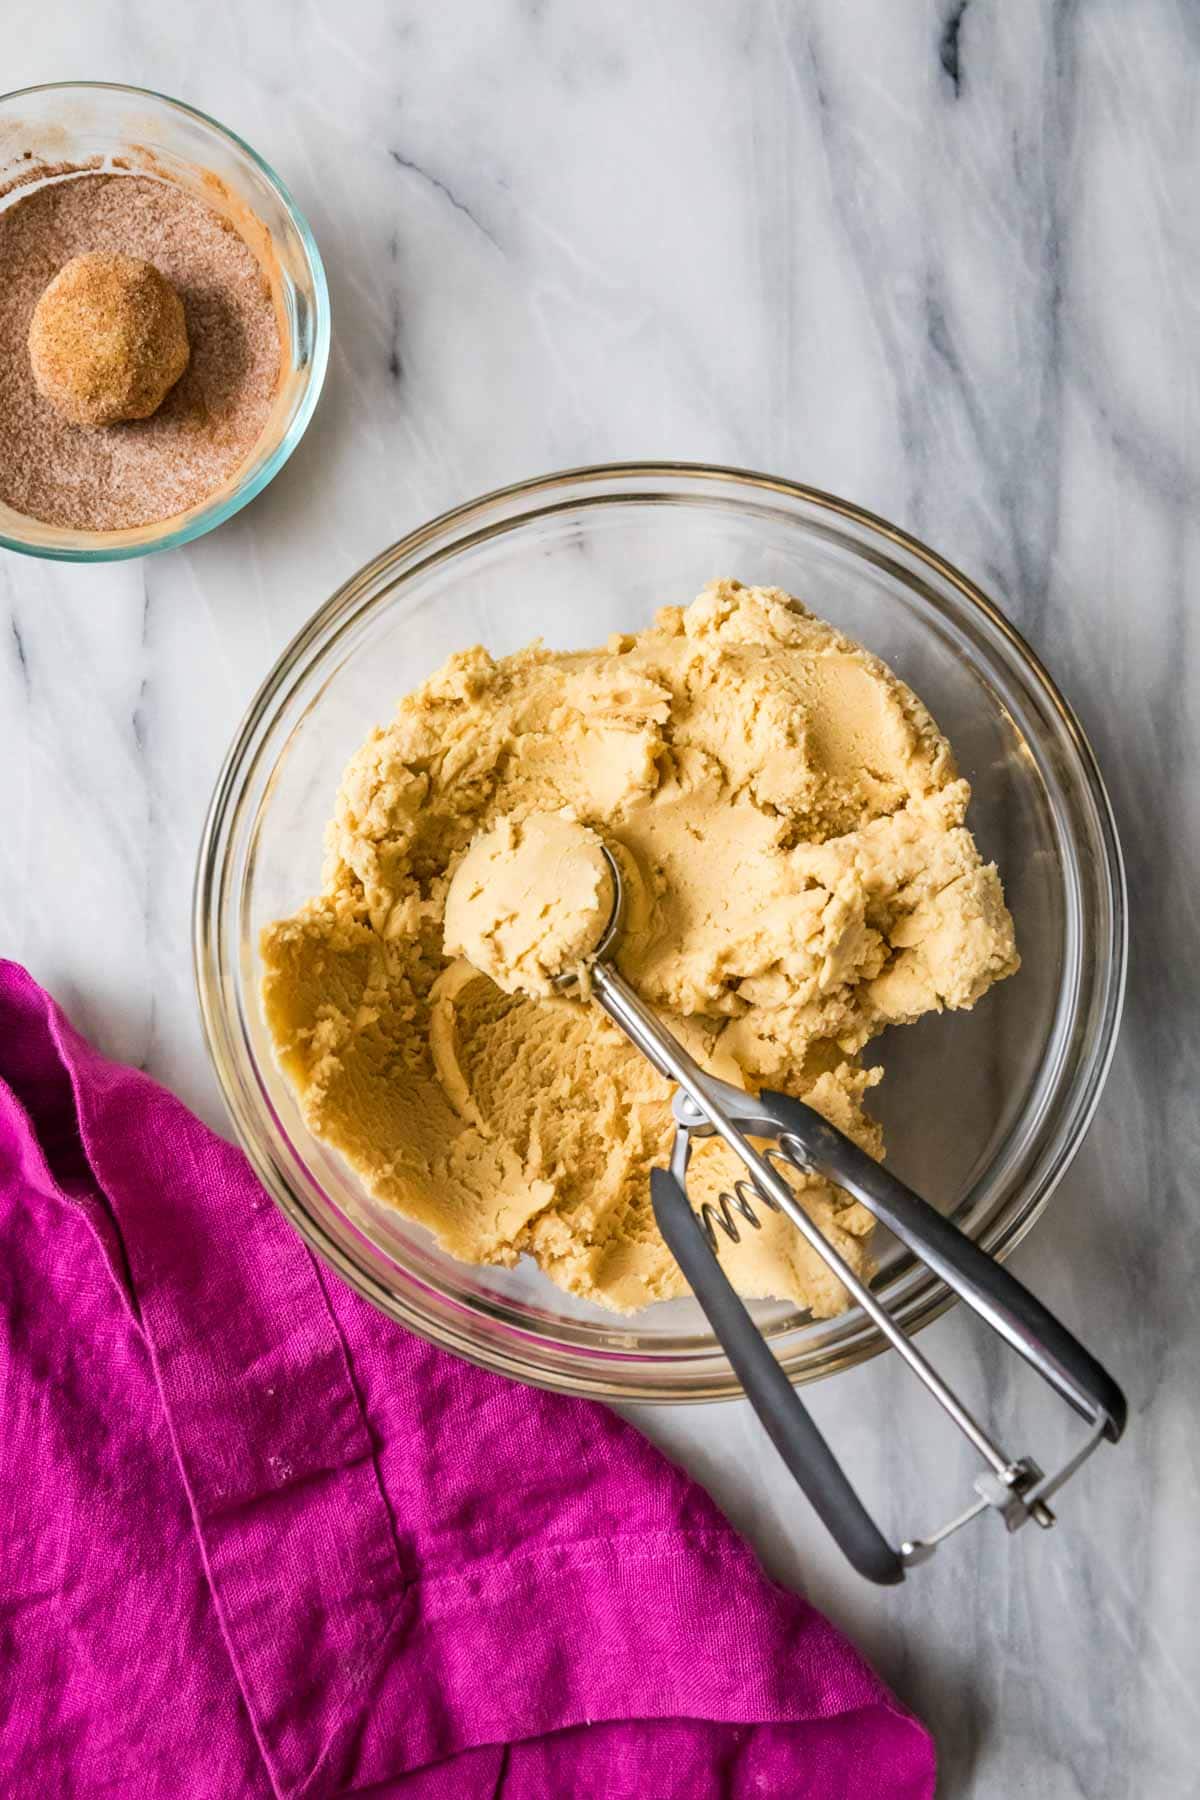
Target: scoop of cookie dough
(529,901)
(108,339)
(798,875)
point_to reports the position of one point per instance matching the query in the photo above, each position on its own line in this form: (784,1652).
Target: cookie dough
(529,901)
(108,339)
(790,830)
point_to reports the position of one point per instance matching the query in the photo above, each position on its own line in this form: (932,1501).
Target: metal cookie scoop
(794,1135)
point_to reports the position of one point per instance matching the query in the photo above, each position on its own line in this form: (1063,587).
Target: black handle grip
(977,1278)
(786,1418)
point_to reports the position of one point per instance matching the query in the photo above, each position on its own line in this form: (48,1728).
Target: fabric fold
(331,1558)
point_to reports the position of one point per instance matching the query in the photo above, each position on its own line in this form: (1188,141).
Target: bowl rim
(209,517)
(326,624)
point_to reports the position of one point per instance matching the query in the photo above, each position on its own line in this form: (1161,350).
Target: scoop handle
(977,1278)
(787,1420)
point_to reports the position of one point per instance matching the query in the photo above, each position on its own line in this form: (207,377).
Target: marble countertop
(943,258)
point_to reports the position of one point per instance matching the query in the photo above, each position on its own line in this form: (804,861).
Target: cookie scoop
(781,1143)
(530,899)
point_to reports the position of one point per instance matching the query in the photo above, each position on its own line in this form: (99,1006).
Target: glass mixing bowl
(983,1110)
(131,130)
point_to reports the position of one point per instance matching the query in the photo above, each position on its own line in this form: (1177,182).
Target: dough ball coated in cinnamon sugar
(108,339)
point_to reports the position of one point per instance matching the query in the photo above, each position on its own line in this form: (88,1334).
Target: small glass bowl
(131,130)
(983,1110)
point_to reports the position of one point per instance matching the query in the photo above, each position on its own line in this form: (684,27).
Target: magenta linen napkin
(255,1539)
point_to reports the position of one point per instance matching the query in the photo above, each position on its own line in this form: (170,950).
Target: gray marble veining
(943,258)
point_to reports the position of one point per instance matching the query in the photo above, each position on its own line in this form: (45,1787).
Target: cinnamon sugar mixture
(117,476)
